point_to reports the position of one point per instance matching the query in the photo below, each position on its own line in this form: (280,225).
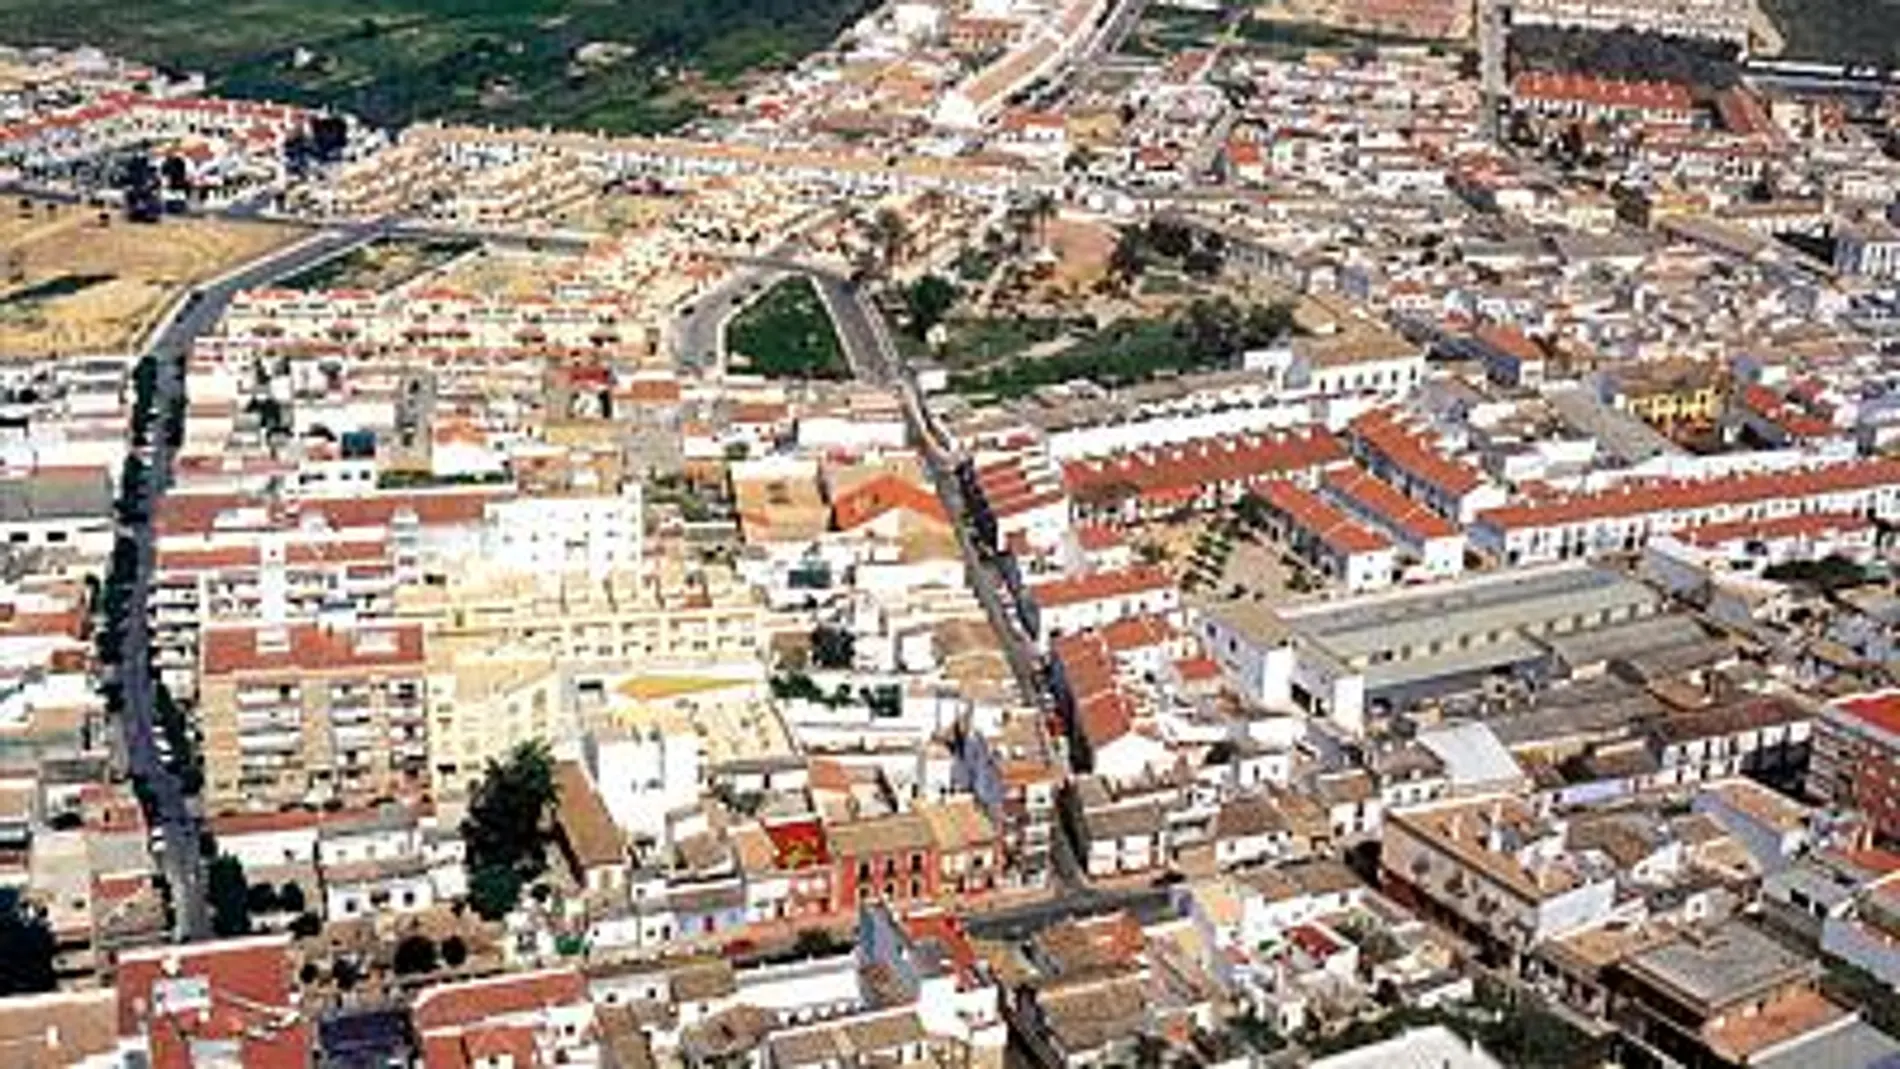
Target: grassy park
(787,333)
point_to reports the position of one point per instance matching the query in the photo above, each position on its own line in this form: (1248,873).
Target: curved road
(179,855)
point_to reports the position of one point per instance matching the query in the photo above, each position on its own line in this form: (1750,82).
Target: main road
(177,823)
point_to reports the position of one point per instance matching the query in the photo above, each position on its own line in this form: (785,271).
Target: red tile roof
(234,989)
(1100,586)
(310,648)
(1602,92)
(1313,515)
(1383,500)
(1087,667)
(1138,633)
(488,1000)
(1105,717)
(1805,525)
(1183,471)
(1657,496)
(1413,454)
(1764,403)
(876,496)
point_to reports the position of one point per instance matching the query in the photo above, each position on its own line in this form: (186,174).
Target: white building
(596,534)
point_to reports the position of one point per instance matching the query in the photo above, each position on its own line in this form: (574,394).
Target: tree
(928,300)
(345,974)
(138,182)
(306,926)
(1170,238)
(494,891)
(832,647)
(177,174)
(1129,258)
(454,952)
(1042,211)
(889,235)
(261,898)
(26,948)
(229,897)
(329,136)
(290,897)
(416,954)
(506,826)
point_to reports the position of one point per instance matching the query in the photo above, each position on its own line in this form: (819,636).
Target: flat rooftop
(1499,601)
(1712,970)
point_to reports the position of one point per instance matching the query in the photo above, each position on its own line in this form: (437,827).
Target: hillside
(501,61)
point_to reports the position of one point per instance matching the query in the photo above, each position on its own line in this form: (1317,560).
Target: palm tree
(1041,211)
(889,235)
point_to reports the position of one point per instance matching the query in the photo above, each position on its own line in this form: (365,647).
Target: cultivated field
(70,283)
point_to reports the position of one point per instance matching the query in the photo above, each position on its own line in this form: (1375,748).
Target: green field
(1848,31)
(787,334)
(501,61)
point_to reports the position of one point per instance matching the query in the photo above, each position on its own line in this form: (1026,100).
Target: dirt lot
(615,213)
(69,284)
(499,272)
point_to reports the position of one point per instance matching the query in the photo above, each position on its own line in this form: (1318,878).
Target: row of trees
(1624,54)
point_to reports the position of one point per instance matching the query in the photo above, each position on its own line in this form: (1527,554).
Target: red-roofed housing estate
(1623,518)
(1080,603)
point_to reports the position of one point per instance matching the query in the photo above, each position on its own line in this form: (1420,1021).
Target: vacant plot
(379,266)
(787,334)
(615,213)
(74,280)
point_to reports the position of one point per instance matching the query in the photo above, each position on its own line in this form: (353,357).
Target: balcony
(255,697)
(270,742)
(268,721)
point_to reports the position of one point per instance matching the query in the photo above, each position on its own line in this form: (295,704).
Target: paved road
(180,856)
(1019,922)
(699,336)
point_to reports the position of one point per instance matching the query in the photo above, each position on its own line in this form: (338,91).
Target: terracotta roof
(1138,633)
(1602,92)
(1192,468)
(878,495)
(233,989)
(1804,525)
(586,826)
(1637,498)
(309,648)
(488,1000)
(1099,586)
(488,1045)
(1313,515)
(1384,501)
(1105,717)
(1413,454)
